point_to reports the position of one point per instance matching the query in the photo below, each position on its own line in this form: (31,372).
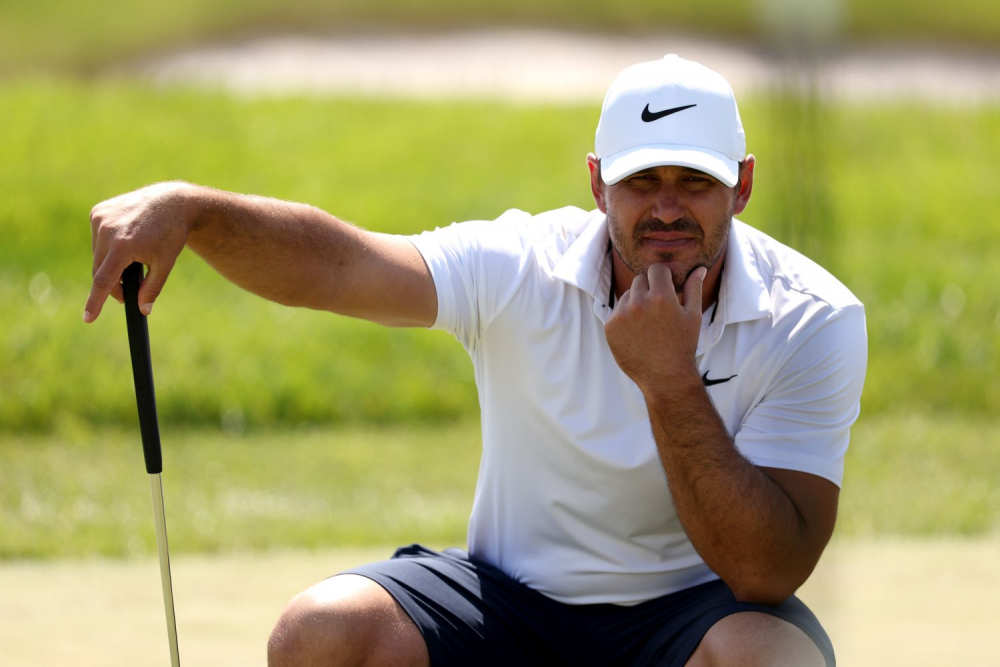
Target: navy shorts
(471,613)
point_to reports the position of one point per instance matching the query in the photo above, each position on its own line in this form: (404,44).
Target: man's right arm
(290,253)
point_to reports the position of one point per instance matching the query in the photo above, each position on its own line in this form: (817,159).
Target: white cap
(670,112)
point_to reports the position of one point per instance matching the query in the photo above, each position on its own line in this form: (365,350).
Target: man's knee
(754,638)
(345,620)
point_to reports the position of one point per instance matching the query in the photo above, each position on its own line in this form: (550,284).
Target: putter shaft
(166,582)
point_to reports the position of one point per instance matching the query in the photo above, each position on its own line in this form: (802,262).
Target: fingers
(100,249)
(657,284)
(640,284)
(623,301)
(101,286)
(152,285)
(692,290)
(107,279)
(653,284)
(661,279)
(134,227)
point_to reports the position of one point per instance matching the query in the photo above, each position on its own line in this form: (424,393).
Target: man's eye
(699,182)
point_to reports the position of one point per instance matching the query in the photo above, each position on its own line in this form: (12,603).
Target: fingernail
(86,317)
(146,308)
(704,272)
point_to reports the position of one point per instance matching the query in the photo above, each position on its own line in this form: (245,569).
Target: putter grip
(142,369)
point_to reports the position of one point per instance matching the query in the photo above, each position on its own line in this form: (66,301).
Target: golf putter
(142,372)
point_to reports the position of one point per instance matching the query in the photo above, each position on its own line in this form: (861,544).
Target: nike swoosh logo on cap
(649,116)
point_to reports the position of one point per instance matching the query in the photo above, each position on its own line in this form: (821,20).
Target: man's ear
(745,186)
(596,182)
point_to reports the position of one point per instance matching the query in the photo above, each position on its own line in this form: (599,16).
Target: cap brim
(616,167)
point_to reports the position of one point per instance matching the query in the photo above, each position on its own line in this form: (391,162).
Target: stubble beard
(708,252)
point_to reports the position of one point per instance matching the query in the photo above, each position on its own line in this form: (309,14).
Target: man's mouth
(668,241)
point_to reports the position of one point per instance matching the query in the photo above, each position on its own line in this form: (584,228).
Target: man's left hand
(653,332)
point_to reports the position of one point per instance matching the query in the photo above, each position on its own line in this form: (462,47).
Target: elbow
(769,583)
(769,591)
(766,597)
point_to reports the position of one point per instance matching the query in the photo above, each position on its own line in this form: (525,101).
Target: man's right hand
(290,253)
(150,226)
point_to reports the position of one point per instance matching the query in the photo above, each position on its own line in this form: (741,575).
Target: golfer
(666,394)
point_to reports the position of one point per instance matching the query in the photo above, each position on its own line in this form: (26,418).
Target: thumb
(692,289)
(152,285)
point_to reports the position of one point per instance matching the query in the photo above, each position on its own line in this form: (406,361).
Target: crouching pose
(667,395)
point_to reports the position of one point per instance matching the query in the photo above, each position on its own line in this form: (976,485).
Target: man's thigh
(706,622)
(753,638)
(345,620)
(471,613)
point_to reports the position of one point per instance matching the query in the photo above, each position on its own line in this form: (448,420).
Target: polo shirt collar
(743,296)
(585,263)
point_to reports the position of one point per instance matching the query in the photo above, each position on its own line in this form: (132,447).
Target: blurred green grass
(85,493)
(910,228)
(79,36)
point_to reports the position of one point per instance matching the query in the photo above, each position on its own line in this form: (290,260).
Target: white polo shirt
(571,498)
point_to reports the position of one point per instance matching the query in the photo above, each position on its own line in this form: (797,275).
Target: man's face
(673,215)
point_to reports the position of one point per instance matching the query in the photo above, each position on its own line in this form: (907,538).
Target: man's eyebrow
(692,170)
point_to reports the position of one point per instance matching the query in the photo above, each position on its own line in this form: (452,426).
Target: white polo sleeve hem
(804,422)
(436,263)
(476,267)
(764,457)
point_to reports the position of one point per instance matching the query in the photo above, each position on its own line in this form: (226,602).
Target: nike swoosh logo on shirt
(705,380)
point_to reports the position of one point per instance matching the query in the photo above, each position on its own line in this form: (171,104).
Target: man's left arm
(761,529)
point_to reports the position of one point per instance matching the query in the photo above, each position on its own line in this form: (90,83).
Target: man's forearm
(744,526)
(279,250)
(291,253)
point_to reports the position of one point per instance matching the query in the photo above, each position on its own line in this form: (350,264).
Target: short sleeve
(476,266)
(803,422)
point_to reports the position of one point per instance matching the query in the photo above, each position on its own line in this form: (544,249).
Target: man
(666,399)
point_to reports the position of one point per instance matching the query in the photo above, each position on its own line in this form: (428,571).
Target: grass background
(86,494)
(298,429)
(910,228)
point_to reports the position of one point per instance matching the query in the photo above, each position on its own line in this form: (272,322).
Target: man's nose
(667,203)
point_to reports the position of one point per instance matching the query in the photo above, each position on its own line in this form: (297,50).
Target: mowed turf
(920,603)
(89,494)
(85,495)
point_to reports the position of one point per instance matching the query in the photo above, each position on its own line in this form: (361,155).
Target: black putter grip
(142,369)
